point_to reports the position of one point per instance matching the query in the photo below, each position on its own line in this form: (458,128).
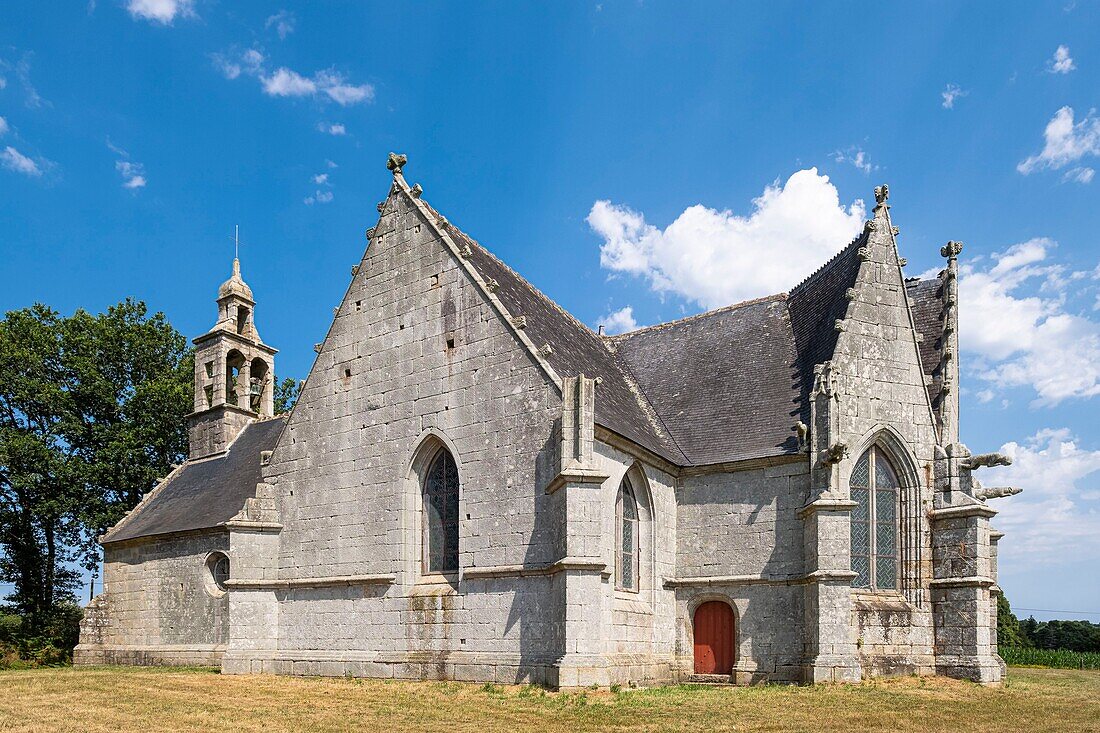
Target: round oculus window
(217,572)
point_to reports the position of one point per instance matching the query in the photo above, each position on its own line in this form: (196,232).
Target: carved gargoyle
(996,492)
(882,193)
(987,460)
(801,431)
(834,454)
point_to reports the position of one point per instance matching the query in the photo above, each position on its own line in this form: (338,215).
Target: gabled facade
(473,485)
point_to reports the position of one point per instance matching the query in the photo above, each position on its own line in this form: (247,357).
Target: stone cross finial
(882,193)
(951,250)
(396,162)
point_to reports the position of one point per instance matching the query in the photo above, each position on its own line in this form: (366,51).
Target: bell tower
(234,372)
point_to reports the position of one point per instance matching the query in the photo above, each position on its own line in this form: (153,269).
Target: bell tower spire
(234,371)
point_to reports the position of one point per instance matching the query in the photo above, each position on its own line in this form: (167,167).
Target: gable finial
(881,194)
(396,162)
(951,250)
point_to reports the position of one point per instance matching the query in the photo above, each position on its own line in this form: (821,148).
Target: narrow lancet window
(875,489)
(441,514)
(627,554)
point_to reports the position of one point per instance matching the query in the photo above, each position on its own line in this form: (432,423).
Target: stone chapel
(473,485)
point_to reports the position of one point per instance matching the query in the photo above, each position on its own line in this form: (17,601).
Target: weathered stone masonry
(738,432)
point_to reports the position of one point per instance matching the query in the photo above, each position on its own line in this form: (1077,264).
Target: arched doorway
(713,625)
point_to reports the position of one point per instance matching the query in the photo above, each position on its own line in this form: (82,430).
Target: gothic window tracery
(627,553)
(440,490)
(875,489)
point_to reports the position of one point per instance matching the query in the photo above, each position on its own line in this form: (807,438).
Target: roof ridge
(632,384)
(732,306)
(522,279)
(862,236)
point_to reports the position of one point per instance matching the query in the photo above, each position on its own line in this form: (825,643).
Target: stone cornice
(523,571)
(818,576)
(972,581)
(332,581)
(245,525)
(236,337)
(825,505)
(576,475)
(966,510)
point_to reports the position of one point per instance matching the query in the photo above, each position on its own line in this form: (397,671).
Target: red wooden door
(714,638)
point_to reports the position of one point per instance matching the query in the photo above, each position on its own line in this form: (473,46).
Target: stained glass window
(441,515)
(860,485)
(875,489)
(627,554)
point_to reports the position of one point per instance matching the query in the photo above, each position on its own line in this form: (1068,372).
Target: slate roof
(815,304)
(576,349)
(926,304)
(206,493)
(722,386)
(725,383)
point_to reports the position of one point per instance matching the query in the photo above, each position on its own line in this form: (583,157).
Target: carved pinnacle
(951,250)
(396,162)
(882,193)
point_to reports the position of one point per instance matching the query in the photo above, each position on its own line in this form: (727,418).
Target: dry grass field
(150,700)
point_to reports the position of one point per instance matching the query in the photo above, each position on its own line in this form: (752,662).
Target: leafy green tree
(38,504)
(1008,626)
(91,414)
(1028,627)
(286,394)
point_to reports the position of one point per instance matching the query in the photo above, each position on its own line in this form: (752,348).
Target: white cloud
(331,164)
(986,395)
(1028,340)
(1054,518)
(320,178)
(1079,175)
(320,197)
(1062,63)
(250,62)
(333,128)
(856,156)
(133,174)
(950,93)
(4,126)
(287,83)
(283,21)
(333,84)
(161,11)
(619,321)
(716,258)
(22,71)
(1065,142)
(12,159)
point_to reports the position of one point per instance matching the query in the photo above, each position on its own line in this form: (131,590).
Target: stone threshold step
(718,680)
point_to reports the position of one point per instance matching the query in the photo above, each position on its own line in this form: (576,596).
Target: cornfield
(1058,658)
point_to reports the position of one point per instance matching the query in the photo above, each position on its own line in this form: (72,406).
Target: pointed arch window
(627,553)
(876,491)
(440,491)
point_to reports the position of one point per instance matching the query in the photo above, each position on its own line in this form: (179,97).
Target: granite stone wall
(417,359)
(159,604)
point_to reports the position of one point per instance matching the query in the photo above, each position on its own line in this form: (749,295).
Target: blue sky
(661,157)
